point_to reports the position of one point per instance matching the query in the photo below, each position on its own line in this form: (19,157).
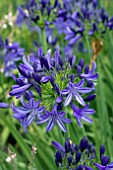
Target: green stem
(44,42)
(88,48)
(67,134)
(2,81)
(15,164)
(62,45)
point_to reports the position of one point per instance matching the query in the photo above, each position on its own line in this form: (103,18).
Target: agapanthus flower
(32,12)
(54,80)
(28,112)
(74,19)
(87,20)
(80,156)
(11,54)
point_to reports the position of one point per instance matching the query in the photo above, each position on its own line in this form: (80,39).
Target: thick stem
(44,42)
(2,80)
(88,48)
(67,134)
(15,164)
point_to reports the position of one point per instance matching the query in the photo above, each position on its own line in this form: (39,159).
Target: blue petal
(24,103)
(87,119)
(79,98)
(29,120)
(65,91)
(79,122)
(74,40)
(45,79)
(43,120)
(40,109)
(61,125)
(80,84)
(20,89)
(62,113)
(68,99)
(93,67)
(66,120)
(3,105)
(84,90)
(50,124)
(100,167)
(89,111)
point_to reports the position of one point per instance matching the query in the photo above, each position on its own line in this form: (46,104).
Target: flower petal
(65,91)
(50,124)
(20,89)
(87,119)
(80,84)
(3,105)
(79,98)
(68,99)
(84,90)
(61,125)
(66,120)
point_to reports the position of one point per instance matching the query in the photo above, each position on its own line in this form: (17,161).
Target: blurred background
(12,136)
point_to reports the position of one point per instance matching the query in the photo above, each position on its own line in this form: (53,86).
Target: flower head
(56,82)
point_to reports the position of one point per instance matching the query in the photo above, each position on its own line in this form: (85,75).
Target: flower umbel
(57,84)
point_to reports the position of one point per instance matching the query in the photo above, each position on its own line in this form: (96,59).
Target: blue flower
(82,114)
(28,112)
(55,81)
(72,91)
(54,117)
(87,20)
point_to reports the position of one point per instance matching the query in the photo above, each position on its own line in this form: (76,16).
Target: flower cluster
(40,15)
(86,21)
(57,83)
(80,157)
(11,53)
(34,13)
(75,19)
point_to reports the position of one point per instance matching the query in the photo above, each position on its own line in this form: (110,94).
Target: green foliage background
(100,132)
